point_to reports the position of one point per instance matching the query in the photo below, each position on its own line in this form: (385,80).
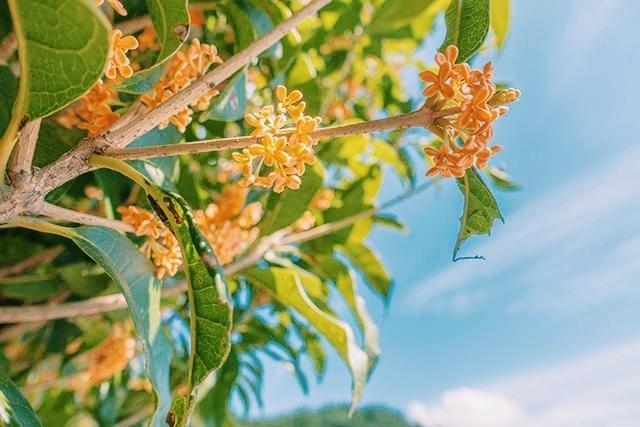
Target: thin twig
(117,302)
(57,212)
(22,156)
(422,117)
(43,257)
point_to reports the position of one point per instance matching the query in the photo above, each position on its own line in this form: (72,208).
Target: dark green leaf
(12,403)
(57,66)
(231,104)
(480,208)
(285,208)
(9,85)
(467,26)
(170,19)
(134,275)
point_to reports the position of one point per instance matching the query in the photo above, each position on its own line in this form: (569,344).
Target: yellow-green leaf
(500,17)
(285,286)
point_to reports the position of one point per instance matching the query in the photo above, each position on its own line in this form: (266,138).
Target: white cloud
(568,248)
(598,390)
(466,407)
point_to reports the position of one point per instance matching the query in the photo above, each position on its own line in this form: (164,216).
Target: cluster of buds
(160,245)
(93,111)
(105,360)
(285,144)
(467,133)
(229,225)
(186,66)
(321,201)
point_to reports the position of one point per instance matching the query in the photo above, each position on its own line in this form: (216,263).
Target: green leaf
(242,25)
(480,208)
(501,179)
(213,407)
(500,20)
(369,264)
(171,22)
(59,58)
(285,208)
(286,287)
(385,152)
(467,26)
(345,283)
(9,85)
(53,141)
(393,14)
(16,407)
(166,136)
(210,309)
(134,275)
(231,104)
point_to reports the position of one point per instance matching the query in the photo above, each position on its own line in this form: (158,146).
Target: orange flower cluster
(105,360)
(117,62)
(228,224)
(321,201)
(473,92)
(185,67)
(92,112)
(283,150)
(115,5)
(160,246)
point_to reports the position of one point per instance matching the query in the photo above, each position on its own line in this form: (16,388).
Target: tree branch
(113,302)
(22,156)
(131,131)
(28,196)
(422,117)
(57,212)
(46,255)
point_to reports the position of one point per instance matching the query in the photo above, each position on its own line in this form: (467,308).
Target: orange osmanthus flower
(468,133)
(285,145)
(117,62)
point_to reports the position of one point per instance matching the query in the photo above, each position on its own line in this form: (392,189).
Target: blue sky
(545,332)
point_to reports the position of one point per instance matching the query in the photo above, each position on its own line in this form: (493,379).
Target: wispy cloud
(600,389)
(573,241)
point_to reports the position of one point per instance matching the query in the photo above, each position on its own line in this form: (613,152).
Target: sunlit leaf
(467,26)
(368,262)
(480,208)
(286,287)
(500,20)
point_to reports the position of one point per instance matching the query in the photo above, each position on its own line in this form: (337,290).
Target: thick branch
(57,212)
(22,156)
